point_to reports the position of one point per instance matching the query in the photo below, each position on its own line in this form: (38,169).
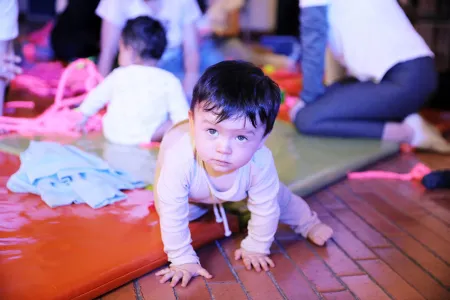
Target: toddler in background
(218,156)
(143,100)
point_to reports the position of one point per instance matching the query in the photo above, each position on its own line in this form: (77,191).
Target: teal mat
(305,164)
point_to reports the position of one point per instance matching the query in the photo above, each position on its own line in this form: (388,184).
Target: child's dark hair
(236,89)
(146,36)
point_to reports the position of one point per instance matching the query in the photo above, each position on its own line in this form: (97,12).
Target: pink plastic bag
(60,118)
(42,80)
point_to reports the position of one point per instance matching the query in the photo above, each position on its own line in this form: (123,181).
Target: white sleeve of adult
(9,25)
(308,3)
(113,11)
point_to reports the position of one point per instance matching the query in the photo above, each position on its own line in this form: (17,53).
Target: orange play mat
(76,252)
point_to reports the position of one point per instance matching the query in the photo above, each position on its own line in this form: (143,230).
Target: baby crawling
(219,155)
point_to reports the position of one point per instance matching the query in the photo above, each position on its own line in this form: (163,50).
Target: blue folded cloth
(64,174)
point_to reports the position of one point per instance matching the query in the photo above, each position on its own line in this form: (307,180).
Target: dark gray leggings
(361,109)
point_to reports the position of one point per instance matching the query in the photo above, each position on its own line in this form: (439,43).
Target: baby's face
(225,146)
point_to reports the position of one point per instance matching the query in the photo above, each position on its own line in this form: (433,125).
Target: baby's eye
(241,138)
(212,132)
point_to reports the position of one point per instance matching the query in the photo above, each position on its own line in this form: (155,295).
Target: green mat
(305,164)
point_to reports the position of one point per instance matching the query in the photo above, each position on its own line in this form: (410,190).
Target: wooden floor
(392,241)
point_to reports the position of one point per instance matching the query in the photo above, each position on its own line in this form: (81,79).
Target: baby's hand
(184,272)
(257,260)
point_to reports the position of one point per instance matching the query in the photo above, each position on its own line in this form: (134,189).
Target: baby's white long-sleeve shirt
(140,99)
(181,178)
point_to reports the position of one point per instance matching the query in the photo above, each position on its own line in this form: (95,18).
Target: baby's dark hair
(146,36)
(235,89)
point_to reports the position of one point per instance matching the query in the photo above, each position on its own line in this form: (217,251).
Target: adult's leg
(172,61)
(4,49)
(210,54)
(333,69)
(313,39)
(362,109)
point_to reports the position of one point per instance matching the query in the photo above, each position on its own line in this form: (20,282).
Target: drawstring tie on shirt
(219,213)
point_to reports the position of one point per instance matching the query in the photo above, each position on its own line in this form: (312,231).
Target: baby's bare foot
(320,233)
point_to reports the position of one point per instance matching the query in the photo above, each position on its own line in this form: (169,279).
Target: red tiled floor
(410,225)
(226,291)
(364,210)
(151,289)
(416,251)
(389,280)
(434,202)
(314,268)
(213,261)
(347,241)
(328,201)
(423,256)
(197,289)
(318,208)
(339,262)
(414,192)
(437,203)
(343,295)
(413,274)
(229,246)
(293,283)
(387,191)
(365,288)
(125,292)
(360,228)
(258,285)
